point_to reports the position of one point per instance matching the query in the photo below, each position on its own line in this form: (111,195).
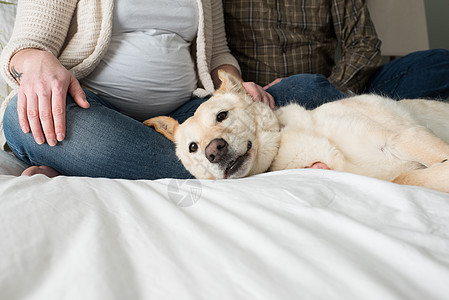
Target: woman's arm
(40,24)
(29,62)
(222,59)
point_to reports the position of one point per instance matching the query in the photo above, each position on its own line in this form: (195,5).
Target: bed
(296,234)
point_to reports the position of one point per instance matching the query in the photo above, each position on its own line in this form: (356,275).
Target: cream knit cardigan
(78,32)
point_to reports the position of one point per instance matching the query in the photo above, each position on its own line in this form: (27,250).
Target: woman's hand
(276,81)
(259,94)
(256,91)
(41,99)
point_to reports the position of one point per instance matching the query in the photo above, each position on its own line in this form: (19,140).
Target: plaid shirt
(280,38)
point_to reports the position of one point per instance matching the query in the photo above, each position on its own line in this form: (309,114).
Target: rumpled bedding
(296,234)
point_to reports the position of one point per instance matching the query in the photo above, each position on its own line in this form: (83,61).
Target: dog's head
(229,136)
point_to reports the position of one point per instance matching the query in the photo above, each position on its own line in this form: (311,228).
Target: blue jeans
(102,142)
(423,74)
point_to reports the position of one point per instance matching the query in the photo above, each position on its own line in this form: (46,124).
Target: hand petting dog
(258,93)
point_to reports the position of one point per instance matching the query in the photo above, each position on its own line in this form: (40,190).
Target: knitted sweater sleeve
(211,46)
(221,55)
(40,24)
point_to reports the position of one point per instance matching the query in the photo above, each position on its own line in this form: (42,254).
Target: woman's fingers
(269,100)
(33,118)
(77,93)
(58,102)
(46,117)
(22,111)
(276,81)
(259,94)
(41,110)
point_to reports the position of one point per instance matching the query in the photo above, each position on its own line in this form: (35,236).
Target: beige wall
(393,21)
(410,25)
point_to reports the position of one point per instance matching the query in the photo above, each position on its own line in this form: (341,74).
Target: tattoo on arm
(16,74)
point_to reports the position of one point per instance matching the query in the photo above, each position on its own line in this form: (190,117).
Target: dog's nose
(216,149)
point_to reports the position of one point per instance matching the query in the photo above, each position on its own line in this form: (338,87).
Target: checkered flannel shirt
(280,38)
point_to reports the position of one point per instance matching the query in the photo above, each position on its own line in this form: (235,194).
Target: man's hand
(41,99)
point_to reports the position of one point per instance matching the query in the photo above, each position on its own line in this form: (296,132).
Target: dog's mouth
(235,164)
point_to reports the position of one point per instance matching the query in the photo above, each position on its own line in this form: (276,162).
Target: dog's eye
(221,116)
(193,147)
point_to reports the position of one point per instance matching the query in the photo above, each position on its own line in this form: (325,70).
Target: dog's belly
(375,158)
(368,155)
(357,136)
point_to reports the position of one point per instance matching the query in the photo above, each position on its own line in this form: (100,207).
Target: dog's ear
(165,125)
(229,83)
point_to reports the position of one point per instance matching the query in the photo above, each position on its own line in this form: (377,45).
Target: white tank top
(148,70)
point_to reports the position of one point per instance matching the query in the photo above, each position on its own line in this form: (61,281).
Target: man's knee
(440,57)
(309,80)
(439,53)
(309,90)
(428,57)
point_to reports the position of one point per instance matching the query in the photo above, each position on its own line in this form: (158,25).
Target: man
(274,39)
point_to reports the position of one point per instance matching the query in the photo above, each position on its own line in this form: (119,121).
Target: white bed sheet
(298,234)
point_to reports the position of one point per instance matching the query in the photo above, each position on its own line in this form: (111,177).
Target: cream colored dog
(231,136)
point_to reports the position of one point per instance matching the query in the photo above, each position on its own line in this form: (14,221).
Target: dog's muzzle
(217,150)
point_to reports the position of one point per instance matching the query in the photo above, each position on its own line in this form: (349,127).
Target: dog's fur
(231,136)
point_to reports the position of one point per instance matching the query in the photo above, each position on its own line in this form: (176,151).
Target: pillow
(7,16)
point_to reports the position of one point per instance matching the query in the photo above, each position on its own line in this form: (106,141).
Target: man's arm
(360,55)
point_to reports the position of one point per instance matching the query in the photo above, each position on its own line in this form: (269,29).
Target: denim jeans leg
(187,110)
(308,90)
(423,74)
(100,142)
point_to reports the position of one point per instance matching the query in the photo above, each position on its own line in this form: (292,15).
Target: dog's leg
(435,177)
(420,145)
